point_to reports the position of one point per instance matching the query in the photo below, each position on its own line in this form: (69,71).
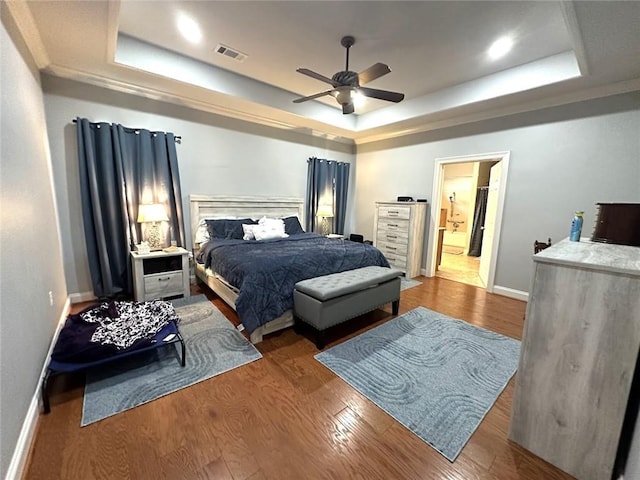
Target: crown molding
(21,14)
(409,127)
(573,27)
(424,125)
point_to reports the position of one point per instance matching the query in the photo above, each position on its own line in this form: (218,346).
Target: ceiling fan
(347,83)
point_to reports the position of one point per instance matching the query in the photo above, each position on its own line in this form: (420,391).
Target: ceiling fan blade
(317,76)
(311,97)
(347,108)
(382,94)
(373,72)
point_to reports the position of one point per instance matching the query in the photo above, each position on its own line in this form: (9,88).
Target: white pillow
(248,231)
(271,222)
(264,232)
(202,234)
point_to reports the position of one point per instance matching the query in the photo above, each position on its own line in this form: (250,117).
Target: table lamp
(152,213)
(324,212)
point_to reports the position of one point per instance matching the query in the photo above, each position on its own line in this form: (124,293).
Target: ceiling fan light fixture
(358,98)
(343,96)
(347,84)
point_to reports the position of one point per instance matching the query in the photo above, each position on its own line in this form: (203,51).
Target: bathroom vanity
(579,351)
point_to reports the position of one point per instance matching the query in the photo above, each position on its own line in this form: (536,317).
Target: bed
(234,269)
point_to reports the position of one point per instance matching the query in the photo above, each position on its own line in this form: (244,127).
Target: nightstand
(160,274)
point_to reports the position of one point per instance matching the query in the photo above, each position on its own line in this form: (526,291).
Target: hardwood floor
(284,417)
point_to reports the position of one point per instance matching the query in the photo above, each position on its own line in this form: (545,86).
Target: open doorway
(468,197)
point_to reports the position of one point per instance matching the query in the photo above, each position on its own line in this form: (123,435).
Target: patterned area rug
(214,346)
(438,376)
(408,283)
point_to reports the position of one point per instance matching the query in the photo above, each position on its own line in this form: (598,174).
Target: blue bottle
(576,227)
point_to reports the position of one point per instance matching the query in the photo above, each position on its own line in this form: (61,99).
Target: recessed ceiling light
(500,48)
(189,28)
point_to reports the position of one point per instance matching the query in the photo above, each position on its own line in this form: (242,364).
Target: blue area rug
(408,283)
(436,375)
(214,346)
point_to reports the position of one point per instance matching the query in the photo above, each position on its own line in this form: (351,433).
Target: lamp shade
(152,212)
(324,211)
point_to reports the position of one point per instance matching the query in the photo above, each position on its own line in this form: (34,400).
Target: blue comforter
(265,272)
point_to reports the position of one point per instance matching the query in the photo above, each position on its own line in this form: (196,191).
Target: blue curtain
(120,168)
(475,248)
(327,184)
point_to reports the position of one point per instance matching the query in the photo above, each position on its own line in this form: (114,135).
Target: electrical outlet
(50,298)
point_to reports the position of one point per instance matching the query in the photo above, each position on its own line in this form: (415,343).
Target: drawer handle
(391,248)
(165,279)
(392,236)
(393,224)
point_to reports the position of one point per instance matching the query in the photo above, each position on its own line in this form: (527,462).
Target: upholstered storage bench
(323,302)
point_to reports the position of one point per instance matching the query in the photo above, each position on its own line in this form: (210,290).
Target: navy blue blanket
(266,272)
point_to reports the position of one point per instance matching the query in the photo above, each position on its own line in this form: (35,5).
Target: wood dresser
(579,352)
(399,234)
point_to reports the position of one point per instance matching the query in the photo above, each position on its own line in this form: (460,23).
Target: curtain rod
(177,138)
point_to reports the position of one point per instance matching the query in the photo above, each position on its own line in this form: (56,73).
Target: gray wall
(562,159)
(30,248)
(217,155)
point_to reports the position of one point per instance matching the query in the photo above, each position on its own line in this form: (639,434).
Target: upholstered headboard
(220,206)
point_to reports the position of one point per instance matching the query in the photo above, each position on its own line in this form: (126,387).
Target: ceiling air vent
(231,53)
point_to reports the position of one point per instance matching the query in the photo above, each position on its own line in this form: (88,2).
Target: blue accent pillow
(228,229)
(292,226)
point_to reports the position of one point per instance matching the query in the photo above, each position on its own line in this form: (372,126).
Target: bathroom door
(490,222)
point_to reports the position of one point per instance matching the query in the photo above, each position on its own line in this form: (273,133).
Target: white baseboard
(81,297)
(25,440)
(511,293)
(504,291)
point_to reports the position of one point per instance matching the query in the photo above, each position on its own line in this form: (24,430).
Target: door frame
(436,205)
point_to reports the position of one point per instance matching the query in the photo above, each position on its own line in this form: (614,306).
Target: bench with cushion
(326,301)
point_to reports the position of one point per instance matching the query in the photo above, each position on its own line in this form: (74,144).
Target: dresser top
(593,255)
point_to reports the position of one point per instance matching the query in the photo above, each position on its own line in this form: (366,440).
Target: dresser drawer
(396,261)
(394,211)
(391,236)
(395,249)
(393,225)
(163,285)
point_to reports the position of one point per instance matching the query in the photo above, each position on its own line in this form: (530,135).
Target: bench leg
(321,339)
(297,328)
(395,307)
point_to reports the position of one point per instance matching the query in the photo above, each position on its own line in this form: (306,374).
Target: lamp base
(153,237)
(324,227)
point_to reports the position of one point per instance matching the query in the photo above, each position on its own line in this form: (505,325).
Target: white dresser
(579,351)
(398,231)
